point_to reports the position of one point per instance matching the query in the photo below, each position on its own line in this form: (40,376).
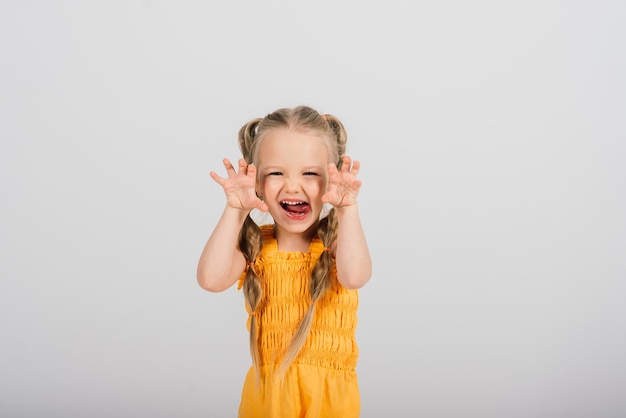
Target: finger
(356,166)
(230,170)
(243,166)
(332,169)
(262,206)
(251,171)
(330,191)
(219,180)
(345,167)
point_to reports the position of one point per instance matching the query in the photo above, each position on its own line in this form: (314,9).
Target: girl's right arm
(221,263)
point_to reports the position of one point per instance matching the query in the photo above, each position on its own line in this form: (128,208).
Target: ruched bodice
(285,281)
(322,381)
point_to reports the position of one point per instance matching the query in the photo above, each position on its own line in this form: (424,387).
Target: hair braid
(247,136)
(319,283)
(250,244)
(341,136)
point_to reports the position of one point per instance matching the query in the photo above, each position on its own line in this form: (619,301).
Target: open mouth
(295,209)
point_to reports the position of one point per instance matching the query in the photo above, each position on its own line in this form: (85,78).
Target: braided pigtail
(341,136)
(250,244)
(247,136)
(319,283)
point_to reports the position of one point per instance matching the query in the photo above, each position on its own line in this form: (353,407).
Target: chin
(298,226)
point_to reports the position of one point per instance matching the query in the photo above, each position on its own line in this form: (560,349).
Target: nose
(292,185)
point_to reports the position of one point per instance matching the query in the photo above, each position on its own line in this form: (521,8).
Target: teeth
(291,203)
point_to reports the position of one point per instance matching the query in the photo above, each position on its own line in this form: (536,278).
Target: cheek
(319,186)
(269,186)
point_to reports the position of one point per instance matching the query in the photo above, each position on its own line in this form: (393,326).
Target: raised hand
(239,187)
(343,187)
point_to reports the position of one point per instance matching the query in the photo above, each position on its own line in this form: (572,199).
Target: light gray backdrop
(492,141)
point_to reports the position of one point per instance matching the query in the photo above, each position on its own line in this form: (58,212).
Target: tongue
(300,209)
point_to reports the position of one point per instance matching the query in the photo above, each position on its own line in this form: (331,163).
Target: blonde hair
(332,131)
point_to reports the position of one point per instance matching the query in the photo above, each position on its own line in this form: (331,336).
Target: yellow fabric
(322,381)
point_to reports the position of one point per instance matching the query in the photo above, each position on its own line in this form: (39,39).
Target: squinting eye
(310,173)
(275,173)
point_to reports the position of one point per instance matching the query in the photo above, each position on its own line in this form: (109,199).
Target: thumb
(262,206)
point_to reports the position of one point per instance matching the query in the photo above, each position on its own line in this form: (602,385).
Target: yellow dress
(322,381)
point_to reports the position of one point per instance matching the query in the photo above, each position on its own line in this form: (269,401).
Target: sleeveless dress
(322,381)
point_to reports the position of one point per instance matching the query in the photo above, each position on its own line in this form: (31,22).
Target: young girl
(299,275)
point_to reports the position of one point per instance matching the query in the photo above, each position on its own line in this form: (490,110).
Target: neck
(294,241)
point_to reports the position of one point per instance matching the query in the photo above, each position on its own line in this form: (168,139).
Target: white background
(492,141)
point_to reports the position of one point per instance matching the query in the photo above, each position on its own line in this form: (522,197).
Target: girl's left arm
(354,264)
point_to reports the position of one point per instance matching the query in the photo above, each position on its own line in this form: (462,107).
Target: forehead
(283,146)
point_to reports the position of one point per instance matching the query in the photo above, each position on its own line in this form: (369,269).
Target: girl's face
(292,177)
